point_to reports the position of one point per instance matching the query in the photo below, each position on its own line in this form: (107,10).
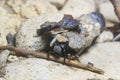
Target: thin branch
(43,55)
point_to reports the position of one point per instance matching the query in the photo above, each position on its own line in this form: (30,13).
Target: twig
(116,5)
(43,55)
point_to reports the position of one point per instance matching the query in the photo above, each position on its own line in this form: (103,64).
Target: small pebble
(3,57)
(2,78)
(3,61)
(12,58)
(21,58)
(105,36)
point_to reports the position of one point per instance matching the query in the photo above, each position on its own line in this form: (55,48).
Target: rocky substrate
(103,55)
(23,17)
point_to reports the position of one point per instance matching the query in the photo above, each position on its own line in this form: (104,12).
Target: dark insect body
(63,50)
(60,49)
(67,23)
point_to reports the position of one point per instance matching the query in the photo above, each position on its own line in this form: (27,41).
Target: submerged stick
(43,55)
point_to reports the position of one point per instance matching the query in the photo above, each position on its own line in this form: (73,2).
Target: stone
(26,36)
(8,24)
(3,61)
(78,7)
(3,11)
(105,36)
(13,14)
(106,7)
(12,58)
(76,41)
(30,8)
(58,3)
(2,78)
(103,55)
(3,57)
(91,25)
(2,2)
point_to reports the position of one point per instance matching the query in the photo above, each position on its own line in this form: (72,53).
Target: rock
(104,56)
(21,58)
(78,7)
(105,36)
(106,7)
(3,11)
(3,57)
(30,8)
(91,26)
(2,2)
(12,58)
(8,24)
(58,3)
(2,79)
(11,11)
(76,41)
(3,61)
(27,36)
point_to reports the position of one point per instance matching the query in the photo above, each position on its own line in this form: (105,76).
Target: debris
(43,55)
(117,38)
(79,35)
(10,39)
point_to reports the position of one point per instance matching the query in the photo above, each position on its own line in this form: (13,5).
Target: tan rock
(58,3)
(12,58)
(3,61)
(2,78)
(30,8)
(62,39)
(57,32)
(78,7)
(3,11)
(2,2)
(105,36)
(8,24)
(26,36)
